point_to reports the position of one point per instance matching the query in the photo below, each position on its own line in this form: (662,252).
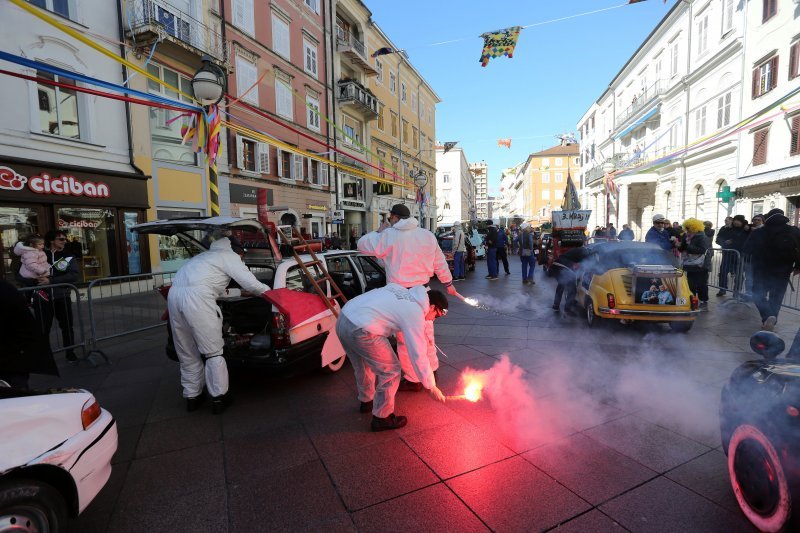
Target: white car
(261,335)
(55,456)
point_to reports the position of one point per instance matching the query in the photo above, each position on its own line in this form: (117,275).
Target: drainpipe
(741,97)
(687,115)
(332,106)
(128,125)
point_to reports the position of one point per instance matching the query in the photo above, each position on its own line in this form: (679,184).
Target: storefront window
(130,219)
(91,239)
(171,251)
(16,223)
(353,188)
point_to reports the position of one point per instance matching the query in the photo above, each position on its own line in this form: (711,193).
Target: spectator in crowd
(34,268)
(775,253)
(677,230)
(364,327)
(336,241)
(63,269)
(527,245)
(566,270)
(731,239)
(490,241)
(611,231)
(757,222)
(25,348)
(696,262)
(459,251)
(709,229)
(514,234)
(626,234)
(658,234)
(502,249)
(353,240)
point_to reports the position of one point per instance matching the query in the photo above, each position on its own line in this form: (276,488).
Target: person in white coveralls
(196,320)
(412,256)
(364,327)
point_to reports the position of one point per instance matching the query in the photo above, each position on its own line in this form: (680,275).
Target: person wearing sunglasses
(364,327)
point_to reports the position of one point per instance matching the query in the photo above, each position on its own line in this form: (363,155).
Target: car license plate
(681,301)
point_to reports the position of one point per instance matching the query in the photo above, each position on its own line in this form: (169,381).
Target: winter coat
(658,237)
(459,240)
(761,245)
(732,238)
(697,244)
(626,235)
(502,240)
(64,270)
(34,262)
(24,348)
(411,254)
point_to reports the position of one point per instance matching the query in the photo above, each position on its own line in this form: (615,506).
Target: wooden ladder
(304,247)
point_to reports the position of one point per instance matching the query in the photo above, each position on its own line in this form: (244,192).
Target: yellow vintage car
(632,281)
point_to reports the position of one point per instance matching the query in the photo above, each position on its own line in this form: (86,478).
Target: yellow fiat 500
(630,281)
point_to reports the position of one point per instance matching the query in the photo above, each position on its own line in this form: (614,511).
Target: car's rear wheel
(335,365)
(681,327)
(592,320)
(759,480)
(28,505)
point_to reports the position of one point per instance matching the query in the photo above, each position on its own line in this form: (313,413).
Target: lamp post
(208,85)
(608,168)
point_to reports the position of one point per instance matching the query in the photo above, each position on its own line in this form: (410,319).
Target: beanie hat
(740,218)
(400,210)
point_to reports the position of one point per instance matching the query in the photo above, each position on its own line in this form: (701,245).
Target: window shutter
(760,139)
(323,174)
(298,167)
(279,167)
(773,79)
(238,13)
(795,143)
(263,158)
(794,60)
(239,153)
(756,81)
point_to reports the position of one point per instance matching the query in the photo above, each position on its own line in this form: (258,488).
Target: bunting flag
(449,146)
(383,51)
(610,185)
(499,43)
(571,201)
(504,142)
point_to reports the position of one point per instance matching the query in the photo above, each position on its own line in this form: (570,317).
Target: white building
(511,200)
(455,187)
(68,151)
(681,86)
(769,159)
(481,173)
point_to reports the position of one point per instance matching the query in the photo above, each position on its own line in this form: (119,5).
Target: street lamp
(208,85)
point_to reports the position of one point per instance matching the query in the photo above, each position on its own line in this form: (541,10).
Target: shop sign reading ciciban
(45,184)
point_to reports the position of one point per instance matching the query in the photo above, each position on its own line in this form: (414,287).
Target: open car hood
(174,226)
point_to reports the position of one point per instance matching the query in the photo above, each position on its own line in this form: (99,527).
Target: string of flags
(504,142)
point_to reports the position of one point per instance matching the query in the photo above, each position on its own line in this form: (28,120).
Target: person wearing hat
(196,321)
(775,252)
(364,327)
(412,256)
(658,234)
(731,239)
(459,251)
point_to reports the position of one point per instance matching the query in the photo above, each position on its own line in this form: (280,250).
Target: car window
(296,280)
(446,245)
(344,275)
(373,272)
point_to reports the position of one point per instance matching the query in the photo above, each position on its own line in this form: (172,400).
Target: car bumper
(654,316)
(298,358)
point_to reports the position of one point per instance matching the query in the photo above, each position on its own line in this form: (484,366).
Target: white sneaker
(769,323)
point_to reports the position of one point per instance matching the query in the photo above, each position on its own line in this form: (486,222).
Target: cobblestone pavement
(591,430)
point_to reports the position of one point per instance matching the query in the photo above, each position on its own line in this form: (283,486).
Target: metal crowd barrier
(123,305)
(52,306)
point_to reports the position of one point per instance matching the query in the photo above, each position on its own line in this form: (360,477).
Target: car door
(374,274)
(343,273)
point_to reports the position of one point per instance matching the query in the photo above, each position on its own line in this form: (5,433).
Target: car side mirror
(767,344)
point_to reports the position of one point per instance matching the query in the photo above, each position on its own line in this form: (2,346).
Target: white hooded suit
(196,320)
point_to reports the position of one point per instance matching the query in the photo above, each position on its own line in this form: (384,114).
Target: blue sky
(556,73)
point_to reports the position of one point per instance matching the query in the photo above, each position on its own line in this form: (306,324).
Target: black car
(760,426)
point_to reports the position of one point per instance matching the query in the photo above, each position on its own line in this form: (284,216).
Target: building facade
(769,159)
(480,171)
(403,135)
(455,187)
(544,179)
(651,126)
(65,156)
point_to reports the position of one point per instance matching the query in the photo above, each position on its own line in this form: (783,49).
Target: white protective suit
(196,320)
(412,256)
(381,313)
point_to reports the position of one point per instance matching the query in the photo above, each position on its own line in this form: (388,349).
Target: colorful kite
(499,43)
(504,142)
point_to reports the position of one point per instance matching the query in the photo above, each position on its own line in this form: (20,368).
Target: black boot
(220,403)
(193,403)
(390,422)
(365,407)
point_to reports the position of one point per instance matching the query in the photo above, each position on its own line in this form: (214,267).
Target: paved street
(589,430)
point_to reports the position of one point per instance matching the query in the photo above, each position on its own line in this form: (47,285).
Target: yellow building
(545,179)
(168,39)
(404,135)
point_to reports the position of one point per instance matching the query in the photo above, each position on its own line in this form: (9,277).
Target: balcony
(641,101)
(353,49)
(596,173)
(155,20)
(350,92)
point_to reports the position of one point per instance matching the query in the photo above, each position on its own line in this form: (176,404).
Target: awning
(776,175)
(641,120)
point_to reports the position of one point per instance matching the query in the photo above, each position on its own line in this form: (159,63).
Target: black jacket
(732,238)
(699,244)
(761,245)
(65,270)
(24,349)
